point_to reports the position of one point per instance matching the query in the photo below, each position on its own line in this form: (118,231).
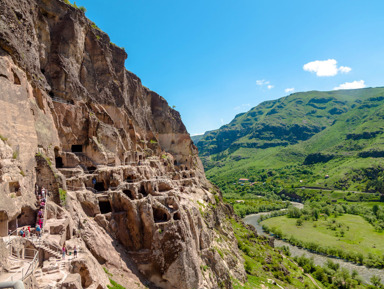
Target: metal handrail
(27,274)
(9,236)
(33,264)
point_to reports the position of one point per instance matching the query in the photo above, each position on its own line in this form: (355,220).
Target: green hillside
(197,138)
(326,139)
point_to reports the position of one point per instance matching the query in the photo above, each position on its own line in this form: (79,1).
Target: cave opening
(129,194)
(176,216)
(159,215)
(99,186)
(27,217)
(59,162)
(16,79)
(91,170)
(175,162)
(14,187)
(77,148)
(130,179)
(143,191)
(105,207)
(12,225)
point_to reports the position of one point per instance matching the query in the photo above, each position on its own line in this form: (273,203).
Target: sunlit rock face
(133,190)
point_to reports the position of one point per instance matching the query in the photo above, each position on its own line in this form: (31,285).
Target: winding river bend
(364,272)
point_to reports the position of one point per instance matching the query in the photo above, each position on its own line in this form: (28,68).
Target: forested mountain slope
(303,137)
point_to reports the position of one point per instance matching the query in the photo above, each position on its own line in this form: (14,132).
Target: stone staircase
(49,250)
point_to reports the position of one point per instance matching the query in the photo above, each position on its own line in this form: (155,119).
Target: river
(364,272)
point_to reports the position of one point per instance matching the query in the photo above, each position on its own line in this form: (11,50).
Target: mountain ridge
(303,128)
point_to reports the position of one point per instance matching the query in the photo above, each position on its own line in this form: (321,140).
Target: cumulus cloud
(270,86)
(289,90)
(262,82)
(325,67)
(351,85)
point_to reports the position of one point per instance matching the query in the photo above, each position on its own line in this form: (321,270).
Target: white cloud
(344,69)
(262,82)
(289,90)
(325,67)
(351,85)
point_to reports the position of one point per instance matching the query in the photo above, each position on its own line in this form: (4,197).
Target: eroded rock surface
(124,177)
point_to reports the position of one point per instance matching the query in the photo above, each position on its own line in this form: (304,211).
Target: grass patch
(107,272)
(63,196)
(115,285)
(358,235)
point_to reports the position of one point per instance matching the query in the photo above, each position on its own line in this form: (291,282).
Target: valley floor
(347,232)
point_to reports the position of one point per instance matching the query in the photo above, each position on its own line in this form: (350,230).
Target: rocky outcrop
(124,177)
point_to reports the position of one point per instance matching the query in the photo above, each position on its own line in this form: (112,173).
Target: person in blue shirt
(38,230)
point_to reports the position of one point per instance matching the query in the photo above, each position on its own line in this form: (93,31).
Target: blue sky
(215,59)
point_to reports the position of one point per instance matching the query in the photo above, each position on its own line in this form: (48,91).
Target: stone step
(15,267)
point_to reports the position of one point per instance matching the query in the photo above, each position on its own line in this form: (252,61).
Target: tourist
(21,232)
(40,223)
(64,250)
(28,231)
(40,213)
(38,230)
(75,252)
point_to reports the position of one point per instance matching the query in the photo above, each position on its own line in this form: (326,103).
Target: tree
(299,222)
(376,281)
(315,214)
(375,208)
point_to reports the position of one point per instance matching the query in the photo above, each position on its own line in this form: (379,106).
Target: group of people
(65,251)
(24,232)
(41,200)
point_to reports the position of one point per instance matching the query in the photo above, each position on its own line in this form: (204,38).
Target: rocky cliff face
(124,177)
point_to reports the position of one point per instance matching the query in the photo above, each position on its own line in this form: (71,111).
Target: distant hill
(197,138)
(336,133)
